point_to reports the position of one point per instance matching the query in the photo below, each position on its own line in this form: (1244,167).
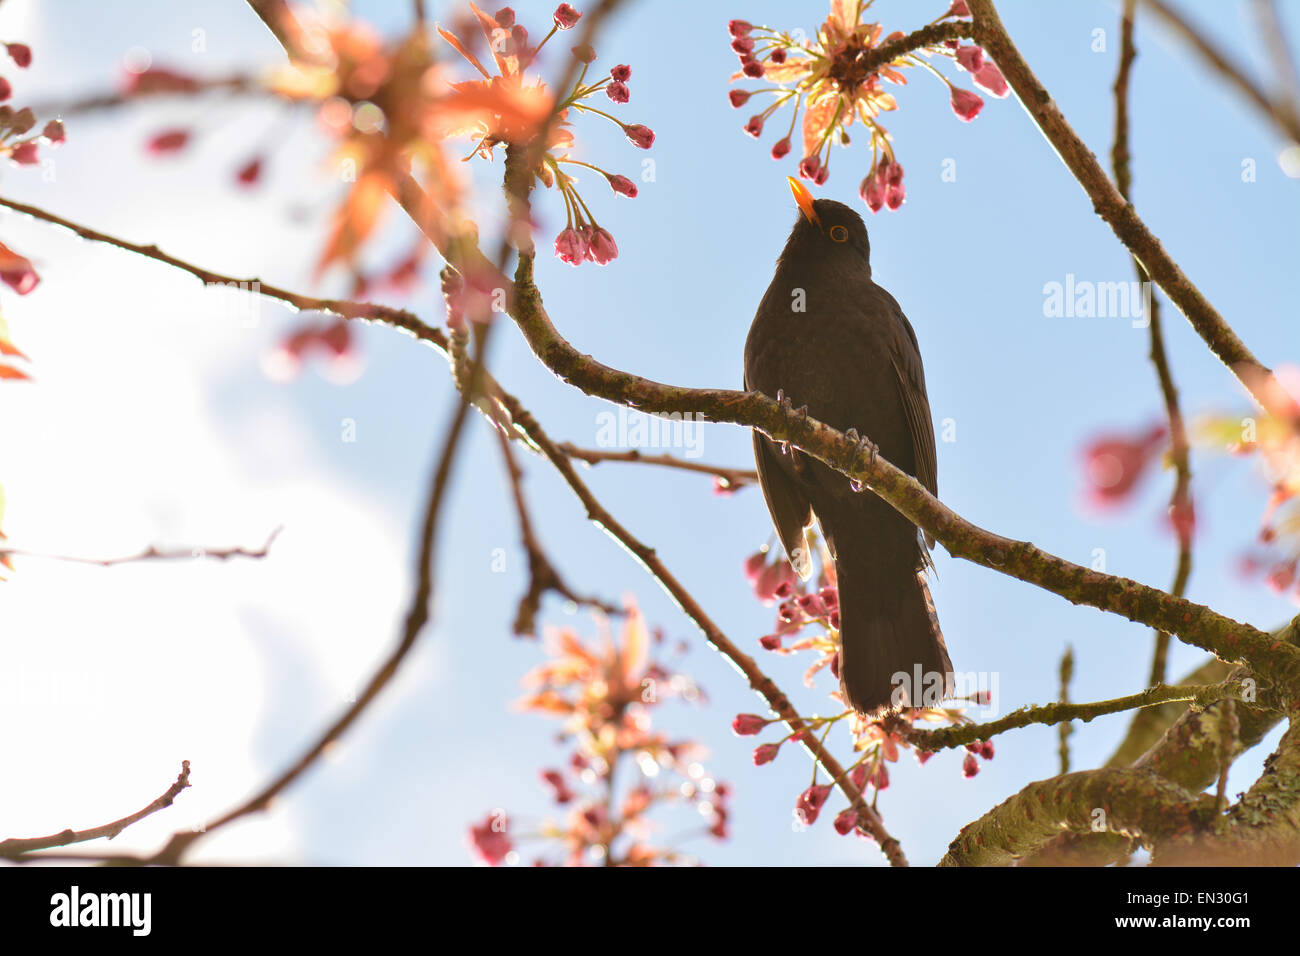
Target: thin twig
(542,576)
(1180,501)
(1277,111)
(1286,74)
(16,847)
(1064,731)
(153,553)
(1198,695)
(731,478)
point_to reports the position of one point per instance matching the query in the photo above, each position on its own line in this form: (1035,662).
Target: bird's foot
(794,416)
(861,443)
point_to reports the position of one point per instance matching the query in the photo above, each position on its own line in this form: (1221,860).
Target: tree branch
(15,848)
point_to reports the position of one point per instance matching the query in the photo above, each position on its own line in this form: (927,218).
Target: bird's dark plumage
(826,336)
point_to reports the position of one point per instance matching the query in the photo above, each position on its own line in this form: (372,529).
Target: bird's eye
(839,234)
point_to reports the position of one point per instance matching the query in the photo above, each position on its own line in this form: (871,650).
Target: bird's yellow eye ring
(839,234)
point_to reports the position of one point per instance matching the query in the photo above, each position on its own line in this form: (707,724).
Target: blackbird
(828,338)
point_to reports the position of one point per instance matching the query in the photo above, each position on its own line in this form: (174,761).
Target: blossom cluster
(620,770)
(837,78)
(807,619)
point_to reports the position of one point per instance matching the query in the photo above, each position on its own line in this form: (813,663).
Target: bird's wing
(905,355)
(909,373)
(791,512)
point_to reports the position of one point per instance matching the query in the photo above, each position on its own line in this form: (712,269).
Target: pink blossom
(810,803)
(570,246)
(970,58)
(990,78)
(601,247)
(566,17)
(746,725)
(966,104)
(623,186)
(642,136)
(490,840)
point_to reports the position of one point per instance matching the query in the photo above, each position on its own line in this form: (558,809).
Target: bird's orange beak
(805,200)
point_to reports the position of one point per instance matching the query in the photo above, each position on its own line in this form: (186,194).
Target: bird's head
(826,231)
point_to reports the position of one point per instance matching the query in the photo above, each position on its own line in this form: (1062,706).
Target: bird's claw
(792,414)
(861,443)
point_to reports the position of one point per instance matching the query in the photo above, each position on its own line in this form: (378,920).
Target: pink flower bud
(846,821)
(250,172)
(958,9)
(765,753)
(746,725)
(623,186)
(810,803)
(808,166)
(490,840)
(777,56)
(830,596)
(17,271)
(24,154)
(168,141)
(812,605)
(781,148)
(20,53)
(986,750)
(752,69)
(618,92)
(859,775)
(1281,576)
(755,126)
(923,755)
(6,90)
(823,173)
(622,73)
(739,28)
(584,53)
(555,780)
(505,18)
(570,246)
(790,612)
(566,18)
(881,779)
(770,642)
(601,248)
(54,132)
(970,58)
(990,78)
(743,46)
(966,104)
(738,98)
(970,766)
(642,136)
(754,565)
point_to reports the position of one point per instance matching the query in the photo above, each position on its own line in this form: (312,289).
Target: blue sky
(152,421)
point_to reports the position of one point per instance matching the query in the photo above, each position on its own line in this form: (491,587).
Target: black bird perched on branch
(827,337)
